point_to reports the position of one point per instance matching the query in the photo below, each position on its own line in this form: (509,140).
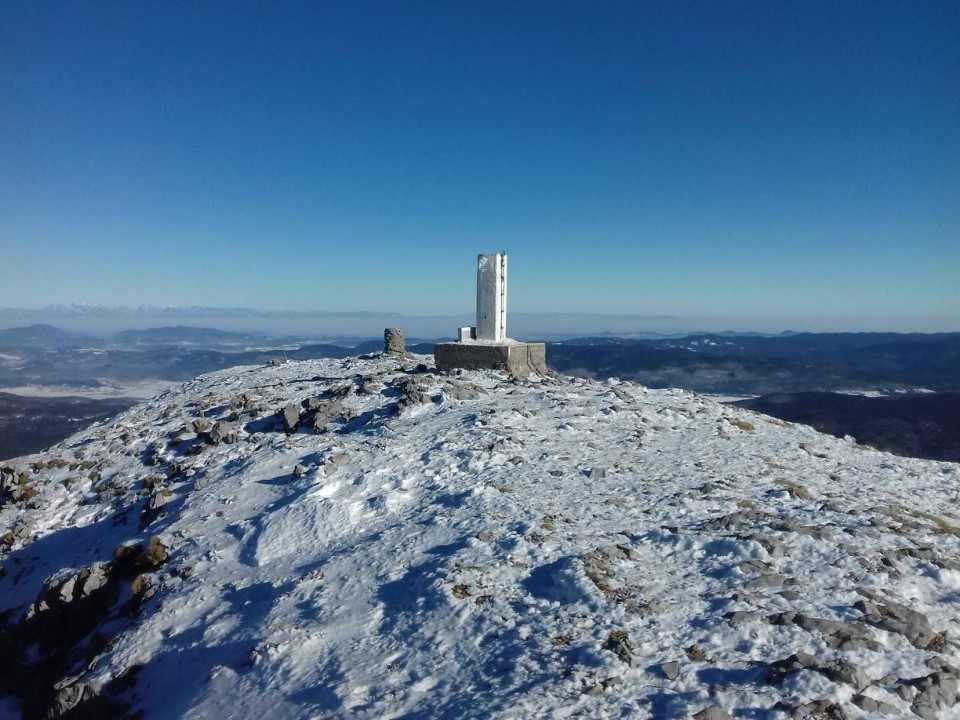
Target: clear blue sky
(787,159)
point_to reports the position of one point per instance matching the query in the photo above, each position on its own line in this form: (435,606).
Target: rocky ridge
(368,537)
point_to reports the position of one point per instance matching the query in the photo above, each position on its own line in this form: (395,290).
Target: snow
(140,389)
(437,562)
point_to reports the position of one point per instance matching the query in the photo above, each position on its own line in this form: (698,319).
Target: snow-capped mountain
(368,538)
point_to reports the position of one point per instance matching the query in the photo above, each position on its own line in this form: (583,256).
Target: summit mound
(369,538)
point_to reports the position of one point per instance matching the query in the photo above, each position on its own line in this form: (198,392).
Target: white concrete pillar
(492,297)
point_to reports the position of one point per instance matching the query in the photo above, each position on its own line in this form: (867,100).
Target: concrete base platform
(517,358)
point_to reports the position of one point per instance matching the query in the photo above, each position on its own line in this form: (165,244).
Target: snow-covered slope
(370,539)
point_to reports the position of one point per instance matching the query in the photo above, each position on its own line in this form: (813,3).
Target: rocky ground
(370,538)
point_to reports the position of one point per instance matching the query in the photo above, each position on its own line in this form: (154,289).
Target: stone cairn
(393,342)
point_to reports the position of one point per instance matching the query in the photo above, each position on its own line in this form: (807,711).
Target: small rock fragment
(670,670)
(712,712)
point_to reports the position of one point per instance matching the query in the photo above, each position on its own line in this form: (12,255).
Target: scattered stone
(846,672)
(870,705)
(412,392)
(936,692)
(463,391)
(159,497)
(618,642)
(773,580)
(670,670)
(200,425)
(369,385)
(845,636)
(841,671)
(223,432)
(712,712)
(777,671)
(246,403)
(755,566)
(312,404)
(826,709)
(597,566)
(900,619)
(290,416)
(737,618)
(332,462)
(299,471)
(92,579)
(611,681)
(325,414)
(774,547)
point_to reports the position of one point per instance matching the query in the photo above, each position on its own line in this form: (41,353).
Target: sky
(793,161)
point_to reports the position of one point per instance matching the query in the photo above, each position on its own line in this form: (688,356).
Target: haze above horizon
(796,162)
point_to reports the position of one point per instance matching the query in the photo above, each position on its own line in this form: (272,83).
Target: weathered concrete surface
(517,358)
(492,297)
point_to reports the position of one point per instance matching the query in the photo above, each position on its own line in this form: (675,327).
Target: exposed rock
(773,580)
(158,498)
(774,547)
(712,712)
(325,413)
(900,619)
(618,642)
(670,670)
(826,709)
(413,391)
(777,671)
(92,579)
(334,461)
(597,566)
(870,705)
(200,425)
(736,618)
(224,432)
(846,672)
(738,520)
(463,391)
(312,404)
(845,636)
(841,671)
(370,385)
(936,693)
(246,403)
(290,416)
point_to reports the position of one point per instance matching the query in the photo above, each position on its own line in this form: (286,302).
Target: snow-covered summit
(368,538)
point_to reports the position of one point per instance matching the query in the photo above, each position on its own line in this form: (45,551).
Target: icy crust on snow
(466,546)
